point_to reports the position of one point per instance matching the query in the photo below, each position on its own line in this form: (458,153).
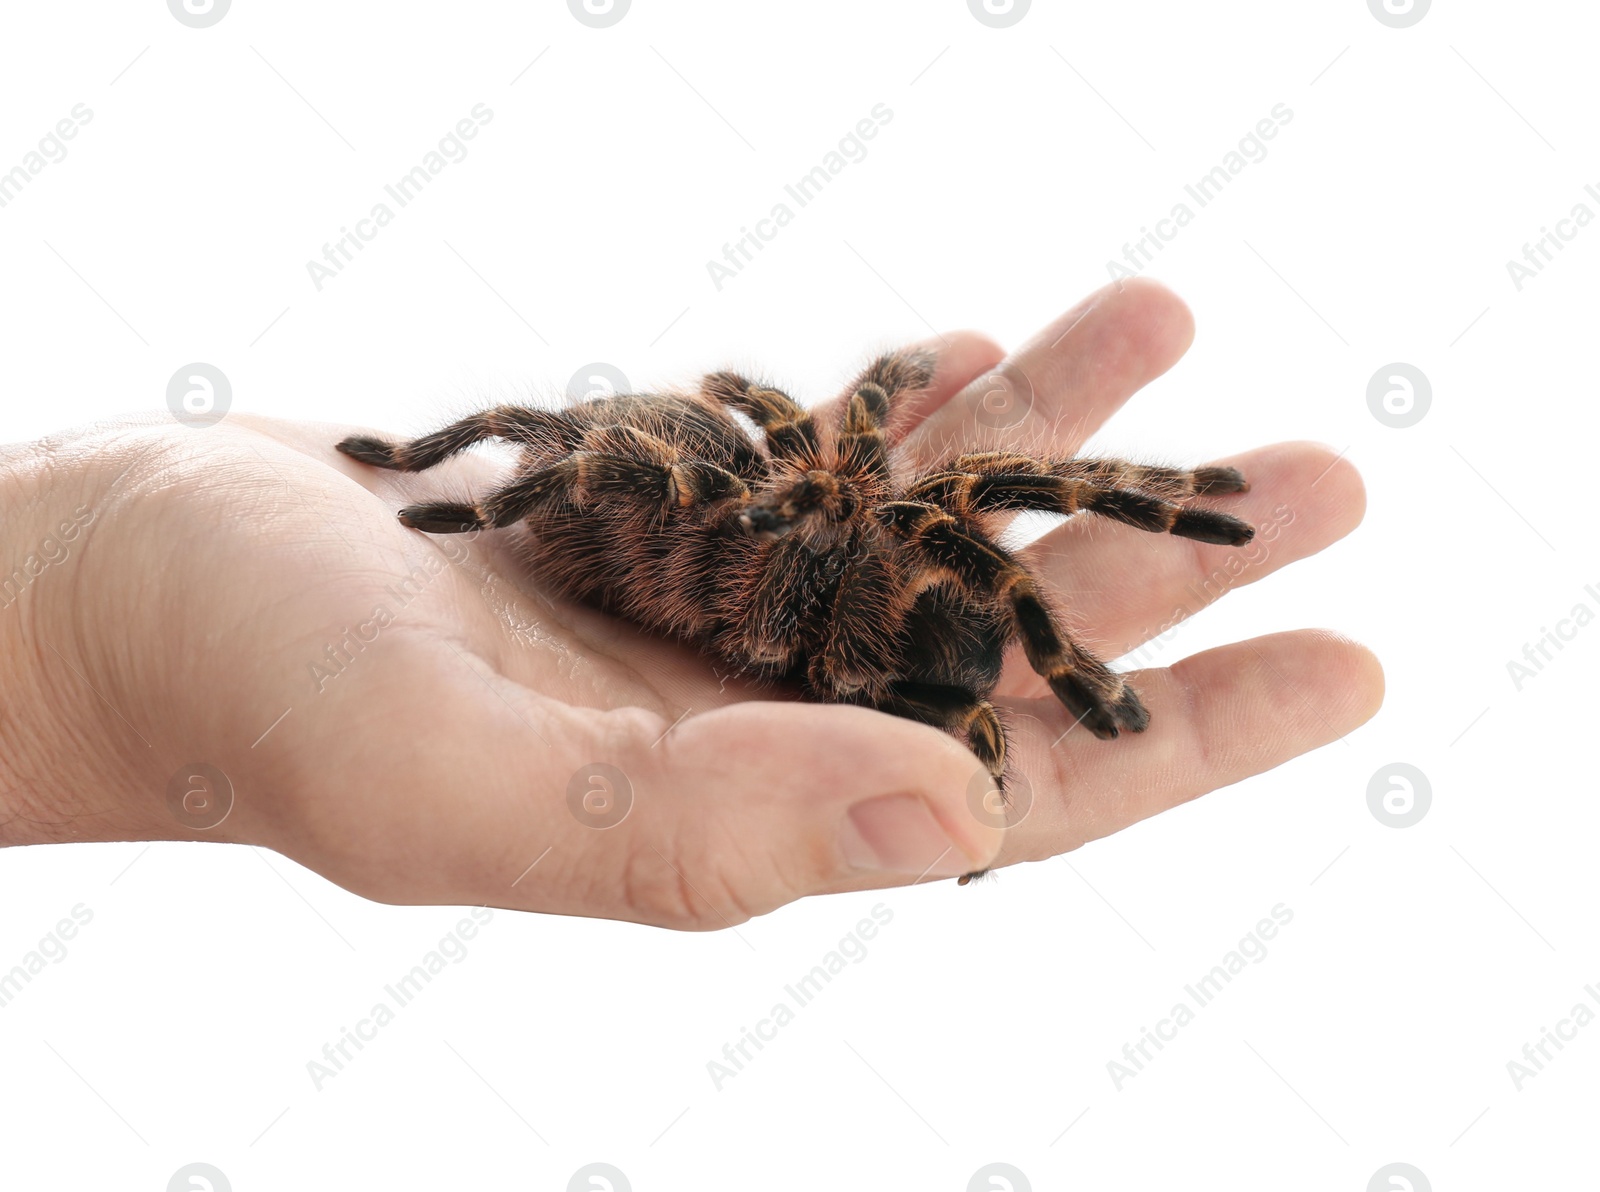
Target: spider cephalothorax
(813,554)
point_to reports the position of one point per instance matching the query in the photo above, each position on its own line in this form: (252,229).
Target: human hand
(408,715)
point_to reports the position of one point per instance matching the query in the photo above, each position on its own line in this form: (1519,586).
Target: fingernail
(899,834)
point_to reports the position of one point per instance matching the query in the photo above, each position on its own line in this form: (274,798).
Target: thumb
(760,803)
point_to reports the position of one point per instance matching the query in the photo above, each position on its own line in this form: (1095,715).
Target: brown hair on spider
(815,554)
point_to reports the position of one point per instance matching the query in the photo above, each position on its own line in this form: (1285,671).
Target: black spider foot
(1207,525)
(1107,719)
(1131,712)
(1220,480)
(368,450)
(442,517)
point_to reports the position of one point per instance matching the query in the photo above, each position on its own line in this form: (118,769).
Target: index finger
(1056,390)
(959,358)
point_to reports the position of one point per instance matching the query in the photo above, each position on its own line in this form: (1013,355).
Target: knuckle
(700,885)
(680,894)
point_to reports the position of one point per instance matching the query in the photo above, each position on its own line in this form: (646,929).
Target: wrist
(134,681)
(67,756)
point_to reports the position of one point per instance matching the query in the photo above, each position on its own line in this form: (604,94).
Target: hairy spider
(814,554)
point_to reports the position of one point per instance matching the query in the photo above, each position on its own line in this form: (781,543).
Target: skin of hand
(411,717)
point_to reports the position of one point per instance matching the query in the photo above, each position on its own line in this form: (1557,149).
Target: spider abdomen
(811,554)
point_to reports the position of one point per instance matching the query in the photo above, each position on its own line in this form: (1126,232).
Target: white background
(1018,161)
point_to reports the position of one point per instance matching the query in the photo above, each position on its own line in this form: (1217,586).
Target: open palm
(412,717)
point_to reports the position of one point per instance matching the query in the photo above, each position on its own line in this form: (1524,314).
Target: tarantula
(813,554)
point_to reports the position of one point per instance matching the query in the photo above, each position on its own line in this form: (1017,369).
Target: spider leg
(1174,483)
(961,710)
(862,444)
(1094,693)
(951,707)
(617,464)
(972,492)
(869,609)
(516,423)
(900,373)
(773,618)
(791,432)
